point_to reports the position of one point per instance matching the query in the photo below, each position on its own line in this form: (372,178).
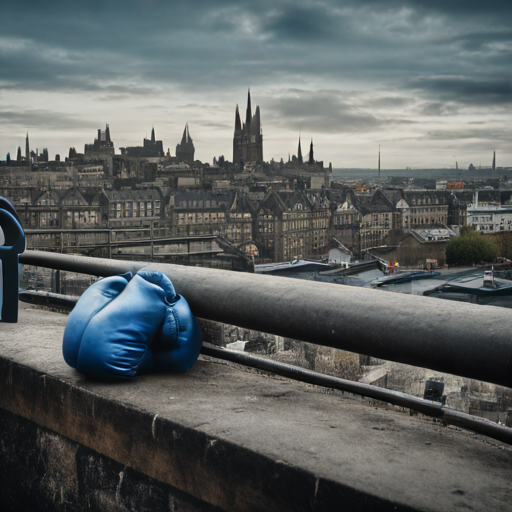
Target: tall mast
(379,162)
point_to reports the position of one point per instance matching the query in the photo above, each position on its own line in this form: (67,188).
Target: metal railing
(458,338)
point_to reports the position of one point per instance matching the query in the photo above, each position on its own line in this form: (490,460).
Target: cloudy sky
(428,80)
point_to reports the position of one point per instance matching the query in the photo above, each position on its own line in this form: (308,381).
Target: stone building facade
(279,225)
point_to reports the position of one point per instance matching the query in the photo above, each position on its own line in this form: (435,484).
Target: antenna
(379,162)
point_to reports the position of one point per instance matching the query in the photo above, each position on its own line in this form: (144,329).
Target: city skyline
(429,83)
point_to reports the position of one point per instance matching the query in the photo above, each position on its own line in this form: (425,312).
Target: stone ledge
(240,441)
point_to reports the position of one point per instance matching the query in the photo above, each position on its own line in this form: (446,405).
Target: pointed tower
(185,150)
(299,154)
(494,161)
(255,122)
(27,149)
(107,135)
(248,138)
(311,159)
(248,113)
(238,122)
(237,137)
(18,156)
(151,147)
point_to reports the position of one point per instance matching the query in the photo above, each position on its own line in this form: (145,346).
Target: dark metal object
(13,244)
(458,338)
(434,391)
(429,408)
(49,299)
(82,264)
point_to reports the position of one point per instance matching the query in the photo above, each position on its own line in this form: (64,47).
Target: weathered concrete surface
(241,441)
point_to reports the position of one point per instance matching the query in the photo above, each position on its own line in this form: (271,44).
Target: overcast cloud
(411,75)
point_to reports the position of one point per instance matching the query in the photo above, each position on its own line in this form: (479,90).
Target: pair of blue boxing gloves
(127,325)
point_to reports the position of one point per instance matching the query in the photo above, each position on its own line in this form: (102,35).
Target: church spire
(248,113)
(238,123)
(311,160)
(184,139)
(299,153)
(255,128)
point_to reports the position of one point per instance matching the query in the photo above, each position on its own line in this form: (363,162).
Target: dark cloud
(210,124)
(311,23)
(460,8)
(202,106)
(438,108)
(468,90)
(483,41)
(44,119)
(72,46)
(320,112)
(495,134)
(325,112)
(387,102)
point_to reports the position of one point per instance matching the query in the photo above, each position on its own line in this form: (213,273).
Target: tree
(470,247)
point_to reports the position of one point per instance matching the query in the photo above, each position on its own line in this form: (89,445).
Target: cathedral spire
(255,128)
(311,160)
(248,113)
(238,123)
(184,139)
(299,153)
(185,149)
(248,137)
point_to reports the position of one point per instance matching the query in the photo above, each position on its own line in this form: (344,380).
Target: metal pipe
(82,264)
(459,338)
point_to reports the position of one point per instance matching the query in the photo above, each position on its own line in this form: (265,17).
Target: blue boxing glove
(93,300)
(177,345)
(120,327)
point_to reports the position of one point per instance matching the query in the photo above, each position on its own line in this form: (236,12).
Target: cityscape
(328,185)
(298,208)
